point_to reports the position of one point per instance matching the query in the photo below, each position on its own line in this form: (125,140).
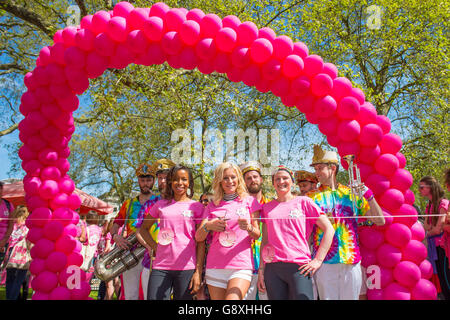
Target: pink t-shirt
(4,217)
(180,217)
(429,210)
(95,233)
(239,255)
(288,229)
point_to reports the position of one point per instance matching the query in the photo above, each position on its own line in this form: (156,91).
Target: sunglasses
(422,187)
(205,201)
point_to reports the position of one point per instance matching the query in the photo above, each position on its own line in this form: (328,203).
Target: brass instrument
(113,263)
(354,182)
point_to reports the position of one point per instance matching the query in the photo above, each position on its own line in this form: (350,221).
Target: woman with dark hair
(179,259)
(436,212)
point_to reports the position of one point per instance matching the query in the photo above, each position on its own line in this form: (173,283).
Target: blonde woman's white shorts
(220,277)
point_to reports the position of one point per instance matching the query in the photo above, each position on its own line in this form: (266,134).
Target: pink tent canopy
(15,193)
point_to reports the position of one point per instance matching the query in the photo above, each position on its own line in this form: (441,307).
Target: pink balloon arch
(258,57)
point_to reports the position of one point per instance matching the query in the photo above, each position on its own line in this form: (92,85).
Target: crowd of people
(235,243)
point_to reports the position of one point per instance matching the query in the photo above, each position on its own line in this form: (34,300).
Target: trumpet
(354,182)
(115,262)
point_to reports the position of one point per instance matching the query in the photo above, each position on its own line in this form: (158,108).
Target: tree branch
(9,130)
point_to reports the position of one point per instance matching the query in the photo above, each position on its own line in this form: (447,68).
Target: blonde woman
(18,251)
(232,217)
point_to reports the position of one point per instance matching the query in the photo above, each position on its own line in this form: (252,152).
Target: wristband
(204,228)
(368,195)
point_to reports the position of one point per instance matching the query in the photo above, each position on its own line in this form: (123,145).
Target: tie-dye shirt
(337,205)
(256,243)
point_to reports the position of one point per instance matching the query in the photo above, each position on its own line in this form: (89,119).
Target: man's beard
(146,191)
(254,188)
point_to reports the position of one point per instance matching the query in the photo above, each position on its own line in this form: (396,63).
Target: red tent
(15,193)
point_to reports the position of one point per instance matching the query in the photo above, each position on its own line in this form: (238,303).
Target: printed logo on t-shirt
(241,212)
(187,213)
(296,213)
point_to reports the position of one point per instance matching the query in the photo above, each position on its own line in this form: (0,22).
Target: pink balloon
(154,28)
(235,74)
(370,238)
(205,67)
(99,21)
(371,135)
(188,58)
(190,32)
(35,233)
(222,62)
(406,215)
(37,120)
(122,57)
(300,86)
(401,180)
(378,183)
(231,21)
(292,66)
(95,65)
(65,244)
(60,293)
(384,123)
(117,29)
(409,197)
(271,70)
(29,81)
(25,153)
(74,259)
(321,85)
(197,15)
(282,47)
(391,143)
(313,65)
(50,173)
(68,36)
(37,266)
(206,49)
(417,231)
(358,94)
(415,251)
(46,281)
(386,277)
(368,155)
(84,39)
(240,57)
(210,25)
(367,114)
(374,294)
(48,189)
(263,85)
(42,249)
(56,261)
(137,42)
(247,32)
(44,55)
(251,75)
(325,107)
(388,256)
(53,230)
(426,269)
(267,33)
(35,202)
(301,50)
(369,257)
(392,199)
(174,19)
(407,273)
(171,43)
(136,18)
(349,130)
(395,291)
(82,293)
(341,88)
(346,147)
(306,104)
(328,126)
(40,216)
(159,9)
(123,9)
(40,296)
(424,290)
(348,108)
(365,170)
(261,50)
(280,86)
(386,164)
(32,185)
(398,235)
(70,229)
(226,39)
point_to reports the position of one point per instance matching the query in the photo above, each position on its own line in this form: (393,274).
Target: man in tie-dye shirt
(340,276)
(251,172)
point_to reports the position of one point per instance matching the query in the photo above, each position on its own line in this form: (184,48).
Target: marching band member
(128,215)
(287,223)
(340,277)
(232,216)
(306,181)
(179,259)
